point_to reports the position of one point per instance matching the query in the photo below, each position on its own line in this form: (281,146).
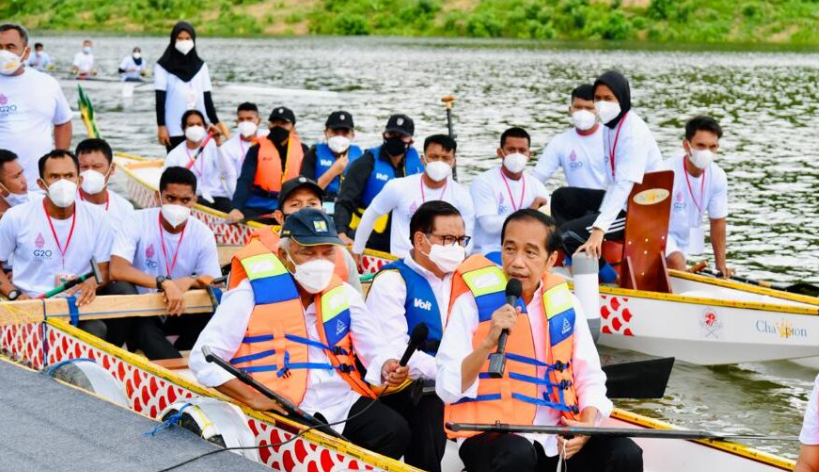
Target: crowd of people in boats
(293,315)
(132,68)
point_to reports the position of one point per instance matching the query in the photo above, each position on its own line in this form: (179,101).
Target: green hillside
(711,21)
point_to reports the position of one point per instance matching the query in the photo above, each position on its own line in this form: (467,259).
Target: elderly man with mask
(412,291)
(294,293)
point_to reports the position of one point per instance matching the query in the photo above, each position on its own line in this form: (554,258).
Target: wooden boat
(37,334)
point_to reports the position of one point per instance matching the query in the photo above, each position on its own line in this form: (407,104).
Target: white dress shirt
(387,296)
(327,392)
(589,378)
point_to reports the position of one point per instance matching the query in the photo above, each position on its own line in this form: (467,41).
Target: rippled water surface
(767,103)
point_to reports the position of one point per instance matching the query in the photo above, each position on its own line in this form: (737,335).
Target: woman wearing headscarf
(133,67)
(182,83)
(586,216)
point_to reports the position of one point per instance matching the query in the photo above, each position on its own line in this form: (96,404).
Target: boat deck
(49,426)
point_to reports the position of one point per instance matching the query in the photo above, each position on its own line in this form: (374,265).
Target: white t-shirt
(129,63)
(181,96)
(141,244)
(26,235)
(205,168)
(27,119)
(232,153)
(39,61)
(581,158)
(494,201)
(117,209)
(809,435)
(402,197)
(84,62)
(709,196)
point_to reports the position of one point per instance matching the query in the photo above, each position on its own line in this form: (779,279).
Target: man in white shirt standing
(412,291)
(328,328)
(233,151)
(96,168)
(53,239)
(205,164)
(13,184)
(402,196)
(556,366)
(503,190)
(579,150)
(809,436)
(163,249)
(83,65)
(31,124)
(700,185)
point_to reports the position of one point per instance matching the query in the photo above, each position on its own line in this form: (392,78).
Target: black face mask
(395,146)
(279,134)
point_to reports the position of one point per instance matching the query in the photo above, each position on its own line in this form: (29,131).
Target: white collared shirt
(589,378)
(327,393)
(387,296)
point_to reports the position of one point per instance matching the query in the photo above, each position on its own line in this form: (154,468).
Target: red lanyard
(614,148)
(62,249)
(423,195)
(107,199)
(509,191)
(168,270)
(691,192)
(192,163)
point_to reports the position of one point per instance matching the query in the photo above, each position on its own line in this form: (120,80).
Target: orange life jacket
(269,175)
(274,350)
(269,239)
(514,397)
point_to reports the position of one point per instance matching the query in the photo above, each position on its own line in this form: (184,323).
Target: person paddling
(316,328)
(39,59)
(96,168)
(133,67)
(182,83)
(83,65)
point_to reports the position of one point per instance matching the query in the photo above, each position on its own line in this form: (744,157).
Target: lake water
(766,102)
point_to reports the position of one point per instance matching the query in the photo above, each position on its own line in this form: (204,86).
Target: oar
(613,432)
(95,272)
(450,128)
(639,379)
(291,409)
(801,288)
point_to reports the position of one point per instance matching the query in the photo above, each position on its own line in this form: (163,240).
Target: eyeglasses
(449,240)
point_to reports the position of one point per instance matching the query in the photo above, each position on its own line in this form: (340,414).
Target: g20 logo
(42,254)
(8,109)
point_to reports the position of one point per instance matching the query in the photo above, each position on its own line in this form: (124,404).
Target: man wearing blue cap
(299,330)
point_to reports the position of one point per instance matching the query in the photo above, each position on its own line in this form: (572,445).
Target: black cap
(291,185)
(282,113)
(401,124)
(310,227)
(339,119)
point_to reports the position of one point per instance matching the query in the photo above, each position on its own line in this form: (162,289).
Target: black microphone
(417,338)
(497,360)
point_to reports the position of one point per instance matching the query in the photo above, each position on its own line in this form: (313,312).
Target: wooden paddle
(801,288)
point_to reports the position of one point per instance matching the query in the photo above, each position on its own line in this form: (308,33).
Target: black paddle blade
(639,379)
(803,288)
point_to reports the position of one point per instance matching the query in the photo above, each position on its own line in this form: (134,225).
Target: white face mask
(93,182)
(438,171)
(14,199)
(515,162)
(447,258)
(195,133)
(339,144)
(184,45)
(62,193)
(584,120)
(607,110)
(175,215)
(9,62)
(313,276)
(248,128)
(137,55)
(86,49)
(701,158)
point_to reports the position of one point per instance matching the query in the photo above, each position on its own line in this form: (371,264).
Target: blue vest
(325,159)
(420,304)
(383,172)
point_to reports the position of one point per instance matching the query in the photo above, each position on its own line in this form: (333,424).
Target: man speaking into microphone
(549,372)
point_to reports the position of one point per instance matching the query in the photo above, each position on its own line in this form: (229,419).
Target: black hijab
(137,61)
(184,66)
(619,85)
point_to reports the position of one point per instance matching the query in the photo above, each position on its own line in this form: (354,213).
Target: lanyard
(62,249)
(691,192)
(614,148)
(107,199)
(509,191)
(423,195)
(168,270)
(192,163)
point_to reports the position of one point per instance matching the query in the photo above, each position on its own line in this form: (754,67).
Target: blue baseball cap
(311,227)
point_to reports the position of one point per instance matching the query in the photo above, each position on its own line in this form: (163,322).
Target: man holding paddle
(546,370)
